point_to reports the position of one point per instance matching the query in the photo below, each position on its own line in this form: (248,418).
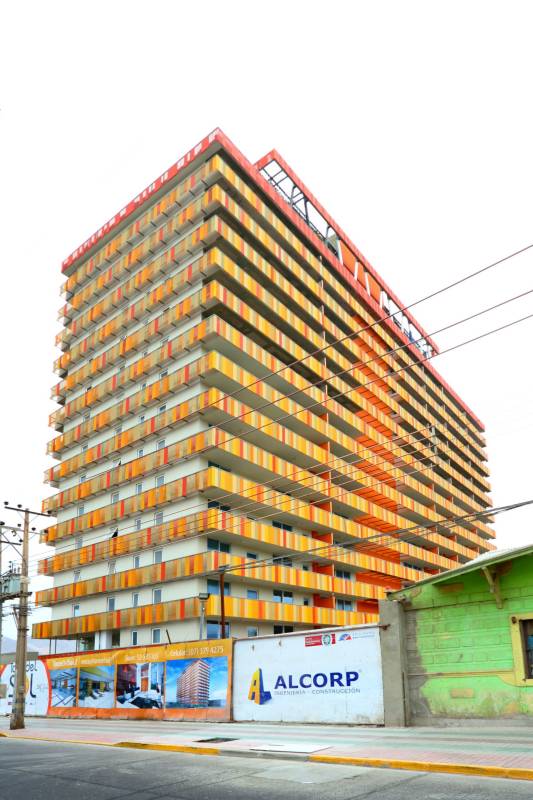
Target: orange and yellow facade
(239,390)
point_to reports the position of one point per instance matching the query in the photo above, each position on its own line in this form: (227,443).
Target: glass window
(81,510)
(344,574)
(83,477)
(136,562)
(110,603)
(163,374)
(162,408)
(252,632)
(215,544)
(343,605)
(161,444)
(140,452)
(118,430)
(158,556)
(79,542)
(156,635)
(115,638)
(112,567)
(115,497)
(251,556)
(213,587)
(252,594)
(76,610)
(141,419)
(283,629)
(527,638)
(135,599)
(158,518)
(138,524)
(84,448)
(283,525)
(283,560)
(77,575)
(138,488)
(156,596)
(213,629)
(159,481)
(280,596)
(134,638)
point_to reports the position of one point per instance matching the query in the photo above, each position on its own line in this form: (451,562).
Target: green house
(466,641)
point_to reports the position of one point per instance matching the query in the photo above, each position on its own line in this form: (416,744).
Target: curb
(512,773)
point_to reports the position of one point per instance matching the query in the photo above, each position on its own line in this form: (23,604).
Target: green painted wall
(460,654)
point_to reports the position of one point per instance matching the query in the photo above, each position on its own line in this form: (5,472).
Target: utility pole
(222,604)
(19,700)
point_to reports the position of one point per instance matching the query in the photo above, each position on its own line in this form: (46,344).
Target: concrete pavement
(43,770)
(498,752)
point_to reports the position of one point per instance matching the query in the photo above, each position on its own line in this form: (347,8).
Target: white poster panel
(327,676)
(37,688)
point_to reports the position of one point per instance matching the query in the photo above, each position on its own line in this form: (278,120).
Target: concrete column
(394,664)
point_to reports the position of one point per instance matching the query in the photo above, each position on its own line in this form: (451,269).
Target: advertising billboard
(330,676)
(191,680)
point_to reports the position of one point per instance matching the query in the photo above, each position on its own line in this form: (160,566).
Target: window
(216,504)
(251,632)
(137,524)
(138,488)
(76,610)
(134,638)
(111,603)
(252,594)
(251,556)
(79,542)
(283,560)
(115,638)
(115,497)
(84,448)
(161,444)
(283,629)
(141,418)
(221,547)
(118,430)
(282,525)
(218,466)
(77,575)
(213,587)
(81,510)
(527,638)
(112,567)
(343,605)
(159,481)
(158,556)
(83,477)
(87,416)
(143,386)
(135,599)
(306,601)
(163,374)
(158,517)
(280,596)
(136,562)
(162,408)
(213,629)
(140,452)
(344,574)
(156,635)
(156,596)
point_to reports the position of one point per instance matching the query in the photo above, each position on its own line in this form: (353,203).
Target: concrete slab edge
(486,771)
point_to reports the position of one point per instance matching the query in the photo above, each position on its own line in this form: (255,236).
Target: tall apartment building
(192,686)
(239,388)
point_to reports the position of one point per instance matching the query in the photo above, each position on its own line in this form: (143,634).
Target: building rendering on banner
(192,686)
(239,389)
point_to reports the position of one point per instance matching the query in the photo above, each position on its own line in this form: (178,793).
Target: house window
(81,510)
(283,629)
(111,603)
(87,416)
(216,504)
(115,497)
(283,560)
(77,575)
(213,629)
(138,524)
(282,525)
(527,638)
(252,594)
(161,444)
(158,556)
(163,374)
(76,610)
(138,488)
(162,408)
(156,635)
(134,638)
(343,574)
(143,386)
(141,418)
(115,638)
(79,542)
(158,518)
(159,481)
(135,599)
(118,430)
(213,587)
(251,556)
(140,452)
(280,596)
(251,632)
(136,562)
(83,477)
(343,605)
(84,448)
(221,547)
(112,567)
(156,596)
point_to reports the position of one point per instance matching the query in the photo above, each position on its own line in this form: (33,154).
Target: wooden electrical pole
(222,605)
(19,700)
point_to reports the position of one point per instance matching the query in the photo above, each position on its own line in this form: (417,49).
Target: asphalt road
(32,770)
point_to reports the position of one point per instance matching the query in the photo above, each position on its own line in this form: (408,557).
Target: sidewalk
(498,752)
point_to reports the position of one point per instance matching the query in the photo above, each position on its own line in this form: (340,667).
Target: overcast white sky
(411,122)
